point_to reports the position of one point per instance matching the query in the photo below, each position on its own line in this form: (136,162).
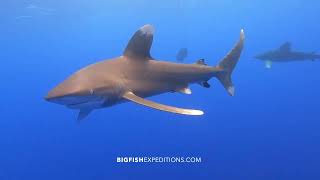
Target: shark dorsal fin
(140,44)
(286,47)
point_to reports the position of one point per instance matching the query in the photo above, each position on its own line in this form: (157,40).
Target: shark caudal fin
(228,63)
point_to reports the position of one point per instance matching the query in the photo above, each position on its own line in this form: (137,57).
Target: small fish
(23,17)
(32,6)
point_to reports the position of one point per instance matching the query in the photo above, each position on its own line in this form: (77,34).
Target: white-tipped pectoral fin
(268,64)
(132,97)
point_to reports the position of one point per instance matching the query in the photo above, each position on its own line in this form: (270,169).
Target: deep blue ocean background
(268,130)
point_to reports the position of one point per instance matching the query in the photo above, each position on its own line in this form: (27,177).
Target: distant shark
(182,54)
(136,75)
(285,54)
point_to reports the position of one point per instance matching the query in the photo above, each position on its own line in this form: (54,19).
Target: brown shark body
(136,75)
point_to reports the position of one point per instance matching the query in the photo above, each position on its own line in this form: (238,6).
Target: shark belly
(152,88)
(87,105)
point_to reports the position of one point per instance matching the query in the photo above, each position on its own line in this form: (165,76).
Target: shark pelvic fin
(184,90)
(268,64)
(140,44)
(132,97)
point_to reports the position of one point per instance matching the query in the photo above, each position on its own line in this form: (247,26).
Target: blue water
(269,130)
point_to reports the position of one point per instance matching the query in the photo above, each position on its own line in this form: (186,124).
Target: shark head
(70,92)
(79,91)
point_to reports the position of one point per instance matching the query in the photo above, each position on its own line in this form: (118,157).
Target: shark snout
(55,96)
(58,92)
(65,94)
(52,95)
(77,100)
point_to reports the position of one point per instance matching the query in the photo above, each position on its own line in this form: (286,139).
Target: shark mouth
(93,104)
(80,102)
(76,104)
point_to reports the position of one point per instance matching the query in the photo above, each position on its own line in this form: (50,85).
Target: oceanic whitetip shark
(285,54)
(182,54)
(136,75)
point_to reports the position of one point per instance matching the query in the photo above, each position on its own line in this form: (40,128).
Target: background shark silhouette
(285,54)
(182,55)
(136,75)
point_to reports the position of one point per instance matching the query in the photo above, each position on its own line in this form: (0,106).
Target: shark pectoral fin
(268,64)
(132,97)
(184,90)
(83,113)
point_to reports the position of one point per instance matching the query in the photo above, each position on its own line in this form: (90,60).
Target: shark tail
(228,63)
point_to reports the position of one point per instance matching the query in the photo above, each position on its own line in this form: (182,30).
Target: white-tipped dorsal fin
(140,44)
(132,97)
